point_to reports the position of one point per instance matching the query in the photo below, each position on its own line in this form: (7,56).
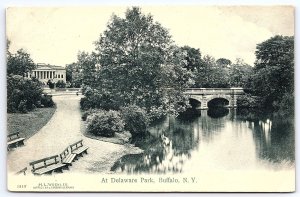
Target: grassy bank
(30,123)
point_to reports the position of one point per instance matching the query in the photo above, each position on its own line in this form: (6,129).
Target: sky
(56,35)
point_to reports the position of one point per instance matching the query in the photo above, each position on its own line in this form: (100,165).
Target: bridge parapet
(205,95)
(213,91)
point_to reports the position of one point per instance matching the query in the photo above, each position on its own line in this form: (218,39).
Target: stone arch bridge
(205,95)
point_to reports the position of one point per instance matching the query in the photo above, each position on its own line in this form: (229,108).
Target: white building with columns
(46,72)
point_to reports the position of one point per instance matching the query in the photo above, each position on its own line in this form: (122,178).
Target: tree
(192,57)
(133,52)
(70,68)
(87,64)
(223,62)
(211,74)
(273,77)
(175,79)
(74,74)
(240,73)
(19,63)
(23,94)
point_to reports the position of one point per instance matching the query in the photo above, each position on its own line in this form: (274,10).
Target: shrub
(60,84)
(22,106)
(136,120)
(46,100)
(86,113)
(156,113)
(50,84)
(248,101)
(22,93)
(105,123)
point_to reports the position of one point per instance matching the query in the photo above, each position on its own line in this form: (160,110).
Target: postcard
(150,99)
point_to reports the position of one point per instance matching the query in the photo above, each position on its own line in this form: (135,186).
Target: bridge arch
(207,95)
(219,101)
(195,103)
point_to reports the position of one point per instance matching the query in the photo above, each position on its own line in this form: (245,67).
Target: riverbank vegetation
(138,72)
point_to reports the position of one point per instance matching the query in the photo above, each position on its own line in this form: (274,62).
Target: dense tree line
(136,64)
(273,75)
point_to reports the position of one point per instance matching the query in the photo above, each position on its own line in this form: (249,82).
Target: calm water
(218,139)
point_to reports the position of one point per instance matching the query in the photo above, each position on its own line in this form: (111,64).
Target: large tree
(223,62)
(133,52)
(273,77)
(211,75)
(240,73)
(87,65)
(192,57)
(19,63)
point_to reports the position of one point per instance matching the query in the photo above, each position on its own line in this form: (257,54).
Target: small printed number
(21,186)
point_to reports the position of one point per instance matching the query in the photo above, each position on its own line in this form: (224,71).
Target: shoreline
(116,148)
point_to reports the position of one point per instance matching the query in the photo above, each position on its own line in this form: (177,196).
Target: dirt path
(62,130)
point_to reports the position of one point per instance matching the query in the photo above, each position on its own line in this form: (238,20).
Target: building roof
(41,66)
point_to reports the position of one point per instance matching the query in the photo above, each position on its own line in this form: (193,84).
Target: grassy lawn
(30,123)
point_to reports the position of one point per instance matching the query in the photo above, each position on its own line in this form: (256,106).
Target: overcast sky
(55,35)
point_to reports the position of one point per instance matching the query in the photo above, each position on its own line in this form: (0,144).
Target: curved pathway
(63,129)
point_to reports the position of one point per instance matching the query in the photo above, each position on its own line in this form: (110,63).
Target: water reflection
(215,138)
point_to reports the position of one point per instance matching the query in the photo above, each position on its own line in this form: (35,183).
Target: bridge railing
(214,91)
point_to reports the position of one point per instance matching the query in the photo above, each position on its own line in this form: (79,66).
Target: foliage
(223,62)
(88,112)
(46,100)
(192,57)
(273,78)
(211,75)
(156,113)
(23,94)
(50,84)
(98,99)
(19,63)
(131,52)
(105,123)
(86,68)
(22,107)
(286,106)
(60,84)
(135,118)
(74,75)
(138,60)
(240,74)
(70,68)
(248,101)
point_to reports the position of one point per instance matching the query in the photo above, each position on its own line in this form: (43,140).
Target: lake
(214,139)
